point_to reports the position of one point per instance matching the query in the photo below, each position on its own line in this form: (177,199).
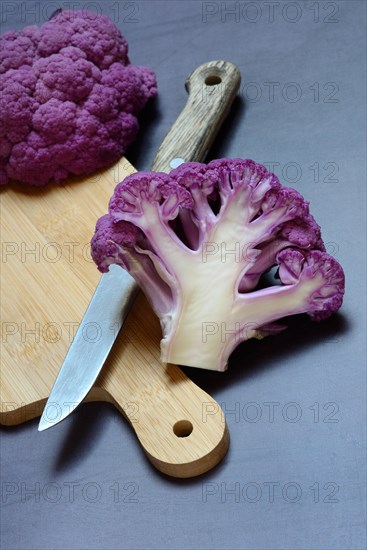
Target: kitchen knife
(212,88)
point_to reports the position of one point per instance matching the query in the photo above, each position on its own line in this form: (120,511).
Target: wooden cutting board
(47,281)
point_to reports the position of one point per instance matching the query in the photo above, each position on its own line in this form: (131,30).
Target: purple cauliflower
(197,241)
(69,98)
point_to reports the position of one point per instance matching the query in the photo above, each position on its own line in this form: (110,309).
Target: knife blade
(91,344)
(212,88)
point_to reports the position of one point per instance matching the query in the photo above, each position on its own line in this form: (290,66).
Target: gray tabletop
(295,403)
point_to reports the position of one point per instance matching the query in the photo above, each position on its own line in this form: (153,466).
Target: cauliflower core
(69,98)
(197,241)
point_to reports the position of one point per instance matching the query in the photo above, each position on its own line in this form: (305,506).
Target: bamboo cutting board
(48,279)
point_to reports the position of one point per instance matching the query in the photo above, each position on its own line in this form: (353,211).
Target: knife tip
(46,422)
(43,425)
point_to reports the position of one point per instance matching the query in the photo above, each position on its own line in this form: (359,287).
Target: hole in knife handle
(212,80)
(183,428)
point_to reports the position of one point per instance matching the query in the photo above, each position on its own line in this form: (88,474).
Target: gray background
(297,478)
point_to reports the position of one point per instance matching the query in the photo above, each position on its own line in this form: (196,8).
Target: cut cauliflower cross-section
(197,241)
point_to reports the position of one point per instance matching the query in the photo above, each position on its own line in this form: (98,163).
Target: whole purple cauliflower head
(69,98)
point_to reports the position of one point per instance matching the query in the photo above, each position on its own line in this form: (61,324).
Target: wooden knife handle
(212,88)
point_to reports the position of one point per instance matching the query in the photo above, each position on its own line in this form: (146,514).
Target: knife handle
(212,88)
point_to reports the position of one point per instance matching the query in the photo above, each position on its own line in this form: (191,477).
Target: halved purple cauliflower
(69,98)
(197,241)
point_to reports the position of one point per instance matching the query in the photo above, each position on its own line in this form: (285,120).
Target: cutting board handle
(187,433)
(212,88)
(180,427)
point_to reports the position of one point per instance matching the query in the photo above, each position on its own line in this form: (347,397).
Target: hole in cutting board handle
(212,80)
(183,428)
